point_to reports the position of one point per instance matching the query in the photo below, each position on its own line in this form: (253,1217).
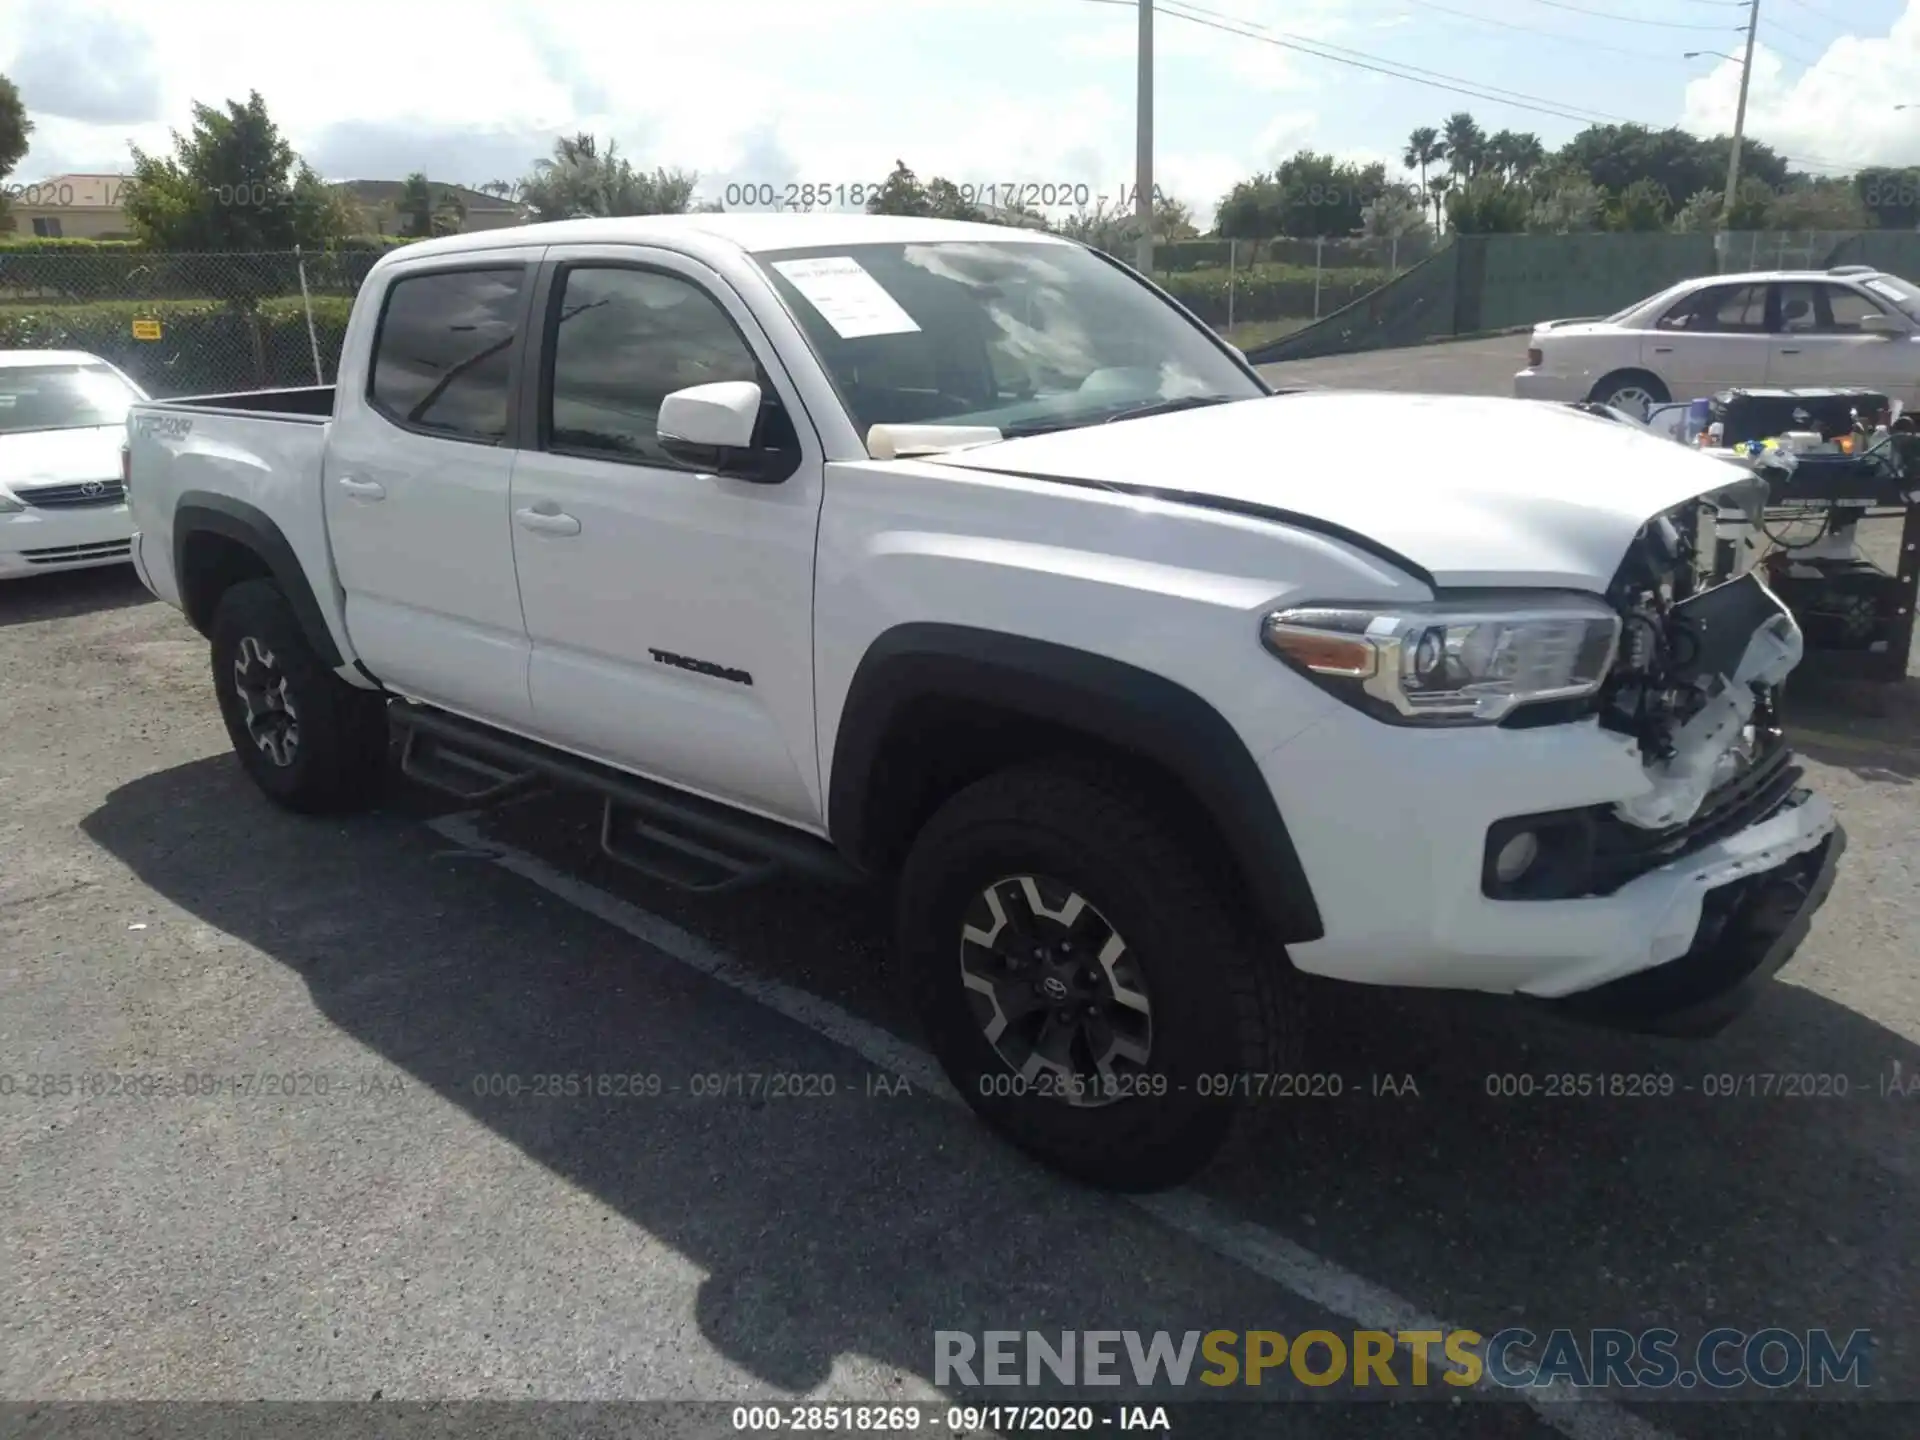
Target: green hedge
(129,273)
(38,244)
(205,345)
(1269,292)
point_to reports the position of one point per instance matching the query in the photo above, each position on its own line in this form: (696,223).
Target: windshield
(1018,336)
(1902,294)
(61,397)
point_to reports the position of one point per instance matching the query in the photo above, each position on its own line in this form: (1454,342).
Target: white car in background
(1782,329)
(63,501)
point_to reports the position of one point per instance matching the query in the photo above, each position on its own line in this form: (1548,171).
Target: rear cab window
(443,355)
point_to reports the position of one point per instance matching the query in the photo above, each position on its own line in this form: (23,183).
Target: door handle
(365,489)
(1790,352)
(547,522)
(1663,349)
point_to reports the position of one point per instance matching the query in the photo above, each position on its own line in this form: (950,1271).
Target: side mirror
(710,426)
(1884,326)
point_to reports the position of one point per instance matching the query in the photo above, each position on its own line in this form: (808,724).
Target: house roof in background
(92,190)
(387,192)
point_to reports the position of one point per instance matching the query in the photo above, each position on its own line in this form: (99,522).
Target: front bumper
(39,541)
(1394,854)
(1748,929)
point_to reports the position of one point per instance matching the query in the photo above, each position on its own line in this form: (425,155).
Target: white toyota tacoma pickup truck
(965,557)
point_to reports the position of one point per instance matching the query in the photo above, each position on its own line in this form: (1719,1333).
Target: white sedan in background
(1780,329)
(63,502)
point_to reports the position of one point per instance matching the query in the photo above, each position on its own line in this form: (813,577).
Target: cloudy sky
(833,91)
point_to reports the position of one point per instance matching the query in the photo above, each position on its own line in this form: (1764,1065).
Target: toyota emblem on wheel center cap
(1054,988)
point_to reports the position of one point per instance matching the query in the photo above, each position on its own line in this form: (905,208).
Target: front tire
(309,740)
(1087,991)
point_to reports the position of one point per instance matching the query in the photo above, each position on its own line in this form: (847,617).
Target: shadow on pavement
(838,1230)
(71,592)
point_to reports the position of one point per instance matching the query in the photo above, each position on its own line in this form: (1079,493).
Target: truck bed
(256,458)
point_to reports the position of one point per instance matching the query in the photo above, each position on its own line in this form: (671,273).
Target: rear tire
(1630,390)
(1116,886)
(309,740)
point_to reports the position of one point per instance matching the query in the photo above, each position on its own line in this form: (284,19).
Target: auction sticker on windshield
(847,297)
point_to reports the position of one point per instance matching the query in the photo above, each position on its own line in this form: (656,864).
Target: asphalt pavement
(298,1171)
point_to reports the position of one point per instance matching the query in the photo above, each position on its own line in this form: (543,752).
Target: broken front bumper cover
(1748,929)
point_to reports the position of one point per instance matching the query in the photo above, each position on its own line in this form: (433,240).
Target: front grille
(73,497)
(1624,852)
(68,554)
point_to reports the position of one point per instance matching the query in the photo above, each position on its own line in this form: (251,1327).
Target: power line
(1196,14)
(1549,34)
(1393,69)
(1620,19)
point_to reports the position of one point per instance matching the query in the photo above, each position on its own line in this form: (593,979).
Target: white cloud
(831,92)
(1837,114)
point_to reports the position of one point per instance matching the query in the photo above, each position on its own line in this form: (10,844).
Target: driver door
(1713,340)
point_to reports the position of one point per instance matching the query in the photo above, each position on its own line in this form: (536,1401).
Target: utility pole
(1740,118)
(1143,146)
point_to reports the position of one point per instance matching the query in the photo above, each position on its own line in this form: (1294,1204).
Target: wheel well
(210,565)
(937,745)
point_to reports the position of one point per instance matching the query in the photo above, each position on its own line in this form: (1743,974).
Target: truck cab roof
(750,233)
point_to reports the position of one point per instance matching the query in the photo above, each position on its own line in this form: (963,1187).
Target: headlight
(9,505)
(1460,662)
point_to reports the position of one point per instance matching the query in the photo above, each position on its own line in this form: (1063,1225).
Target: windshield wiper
(1019,431)
(1166,407)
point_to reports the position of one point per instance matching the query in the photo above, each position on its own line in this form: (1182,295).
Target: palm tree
(1438,187)
(1466,145)
(1424,148)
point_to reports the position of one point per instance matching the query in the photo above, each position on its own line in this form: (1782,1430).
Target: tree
(1116,231)
(1701,213)
(231,183)
(1818,204)
(1642,206)
(15,127)
(579,180)
(1424,148)
(1309,195)
(423,211)
(1393,215)
(1572,206)
(1487,205)
(903,194)
(1466,145)
(1438,189)
(1890,196)
(1514,155)
(1615,156)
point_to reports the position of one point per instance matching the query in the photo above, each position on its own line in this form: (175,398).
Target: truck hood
(61,457)
(1470,491)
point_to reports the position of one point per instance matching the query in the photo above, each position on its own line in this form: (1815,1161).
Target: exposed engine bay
(1697,680)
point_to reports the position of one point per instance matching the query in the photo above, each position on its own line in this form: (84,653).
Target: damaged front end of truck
(1696,687)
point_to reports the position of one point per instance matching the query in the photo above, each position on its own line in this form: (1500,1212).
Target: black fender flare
(202,512)
(1110,700)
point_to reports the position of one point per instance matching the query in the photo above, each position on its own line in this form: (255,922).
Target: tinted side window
(442,360)
(623,341)
(1722,309)
(1850,307)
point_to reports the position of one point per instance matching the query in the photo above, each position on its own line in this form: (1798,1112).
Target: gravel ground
(409,1236)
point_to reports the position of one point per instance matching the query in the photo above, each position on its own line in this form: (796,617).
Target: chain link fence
(186,324)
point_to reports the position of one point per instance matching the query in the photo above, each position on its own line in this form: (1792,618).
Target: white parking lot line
(1265,1252)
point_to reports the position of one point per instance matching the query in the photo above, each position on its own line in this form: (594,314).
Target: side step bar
(668,835)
